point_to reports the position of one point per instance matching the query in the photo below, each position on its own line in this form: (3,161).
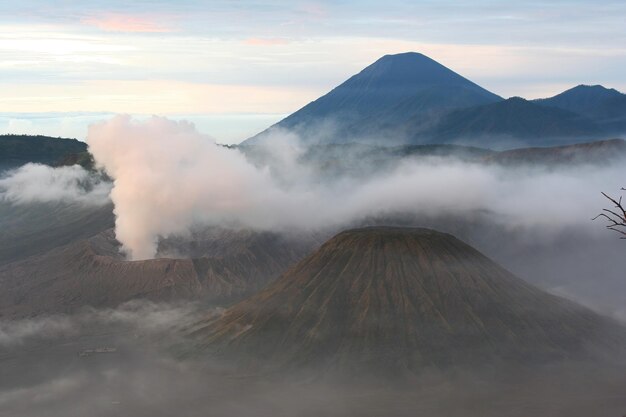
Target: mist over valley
(408,244)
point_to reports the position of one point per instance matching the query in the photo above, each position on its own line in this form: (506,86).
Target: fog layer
(55,372)
(168,178)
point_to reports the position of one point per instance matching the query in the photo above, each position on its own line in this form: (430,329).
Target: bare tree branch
(616,217)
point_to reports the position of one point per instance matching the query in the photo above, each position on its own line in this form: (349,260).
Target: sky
(236,67)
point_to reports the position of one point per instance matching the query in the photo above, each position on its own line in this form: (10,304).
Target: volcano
(401,300)
(396,94)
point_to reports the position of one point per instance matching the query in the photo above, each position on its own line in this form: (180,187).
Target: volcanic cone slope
(401,299)
(216,266)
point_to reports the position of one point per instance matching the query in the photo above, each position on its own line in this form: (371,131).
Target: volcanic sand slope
(401,299)
(93,273)
(30,229)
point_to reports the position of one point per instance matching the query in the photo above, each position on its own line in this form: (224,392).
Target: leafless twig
(615,217)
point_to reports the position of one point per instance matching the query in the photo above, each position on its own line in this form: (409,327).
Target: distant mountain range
(604,106)
(409,98)
(599,152)
(515,120)
(359,160)
(333,159)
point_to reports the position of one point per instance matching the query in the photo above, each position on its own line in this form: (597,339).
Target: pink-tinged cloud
(265,41)
(125,23)
(313,9)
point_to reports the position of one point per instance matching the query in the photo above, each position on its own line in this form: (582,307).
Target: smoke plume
(168,178)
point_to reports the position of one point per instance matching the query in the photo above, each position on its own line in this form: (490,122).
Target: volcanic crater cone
(402,299)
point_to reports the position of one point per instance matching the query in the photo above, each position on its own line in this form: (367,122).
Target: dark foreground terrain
(58,374)
(132,360)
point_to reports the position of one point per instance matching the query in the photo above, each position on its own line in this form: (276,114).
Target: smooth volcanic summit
(397,92)
(401,300)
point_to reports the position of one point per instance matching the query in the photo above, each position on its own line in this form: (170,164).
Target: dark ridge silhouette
(514,118)
(598,152)
(605,106)
(16,150)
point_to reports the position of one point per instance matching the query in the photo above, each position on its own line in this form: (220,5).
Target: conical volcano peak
(410,55)
(396,90)
(401,299)
(412,68)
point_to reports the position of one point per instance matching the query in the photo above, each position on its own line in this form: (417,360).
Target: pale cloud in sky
(273,57)
(151,97)
(266,41)
(230,126)
(116,22)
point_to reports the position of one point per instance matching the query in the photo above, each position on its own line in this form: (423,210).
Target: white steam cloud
(168,178)
(36,183)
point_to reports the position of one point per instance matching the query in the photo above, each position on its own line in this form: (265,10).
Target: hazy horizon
(424,218)
(238,68)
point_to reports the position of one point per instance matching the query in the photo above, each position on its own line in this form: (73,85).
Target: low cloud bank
(36,183)
(169,178)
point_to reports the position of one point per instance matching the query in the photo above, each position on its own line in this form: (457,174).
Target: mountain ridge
(409,98)
(603,105)
(16,150)
(514,118)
